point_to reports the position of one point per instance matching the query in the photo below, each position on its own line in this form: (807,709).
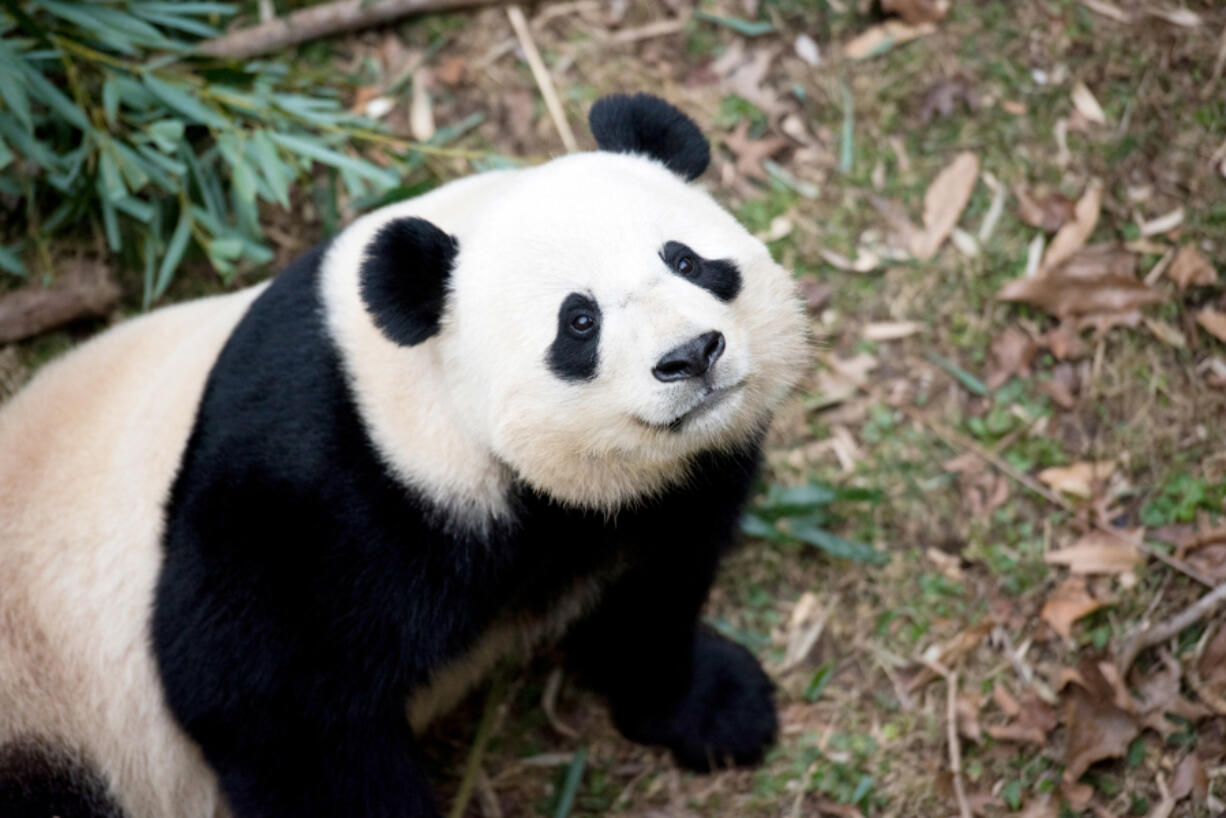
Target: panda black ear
(404,277)
(649,125)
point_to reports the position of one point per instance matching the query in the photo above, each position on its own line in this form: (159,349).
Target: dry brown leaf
(1164,332)
(1190,779)
(1012,352)
(890,330)
(750,153)
(1178,16)
(881,38)
(1159,694)
(452,69)
(815,294)
(1087,104)
(1099,553)
(1066,604)
(944,95)
(1005,700)
(1042,807)
(1190,268)
(917,11)
(1109,10)
(1073,235)
(1048,211)
(1213,322)
(944,202)
(1096,279)
(1097,729)
(1064,385)
(1078,479)
(1210,561)
(1077,794)
(1212,663)
(1032,720)
(966,708)
(840,378)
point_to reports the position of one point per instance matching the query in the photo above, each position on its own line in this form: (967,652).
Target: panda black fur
(404,464)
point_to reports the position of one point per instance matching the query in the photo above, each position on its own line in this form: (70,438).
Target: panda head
(597,321)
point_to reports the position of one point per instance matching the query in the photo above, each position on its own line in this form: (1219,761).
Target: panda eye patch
(720,277)
(575,351)
(582,323)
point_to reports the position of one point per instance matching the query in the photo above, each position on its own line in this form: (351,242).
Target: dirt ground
(1008,220)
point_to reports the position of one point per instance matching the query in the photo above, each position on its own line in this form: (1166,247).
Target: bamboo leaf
(313,150)
(6,155)
(10,261)
(185,102)
(276,172)
(111,182)
(166,134)
(110,100)
(53,98)
(174,253)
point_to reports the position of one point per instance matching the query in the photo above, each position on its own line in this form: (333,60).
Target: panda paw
(725,718)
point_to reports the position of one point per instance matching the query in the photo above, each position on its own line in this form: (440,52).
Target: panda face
(607,321)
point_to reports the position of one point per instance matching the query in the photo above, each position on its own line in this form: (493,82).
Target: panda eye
(686,266)
(582,324)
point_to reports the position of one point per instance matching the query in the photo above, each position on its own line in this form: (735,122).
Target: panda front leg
(669,680)
(290,766)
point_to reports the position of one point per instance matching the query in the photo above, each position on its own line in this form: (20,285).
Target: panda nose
(691,359)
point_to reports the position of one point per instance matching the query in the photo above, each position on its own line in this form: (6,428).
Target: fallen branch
(318,21)
(1157,634)
(84,290)
(541,74)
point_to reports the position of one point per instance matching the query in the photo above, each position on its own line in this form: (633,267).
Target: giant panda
(241,535)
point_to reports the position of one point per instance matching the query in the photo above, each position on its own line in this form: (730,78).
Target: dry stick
(951,731)
(541,75)
(493,700)
(958,442)
(322,20)
(1163,631)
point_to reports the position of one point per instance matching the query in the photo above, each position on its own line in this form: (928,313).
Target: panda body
(270,520)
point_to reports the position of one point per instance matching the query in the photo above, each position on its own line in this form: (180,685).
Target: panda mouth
(705,405)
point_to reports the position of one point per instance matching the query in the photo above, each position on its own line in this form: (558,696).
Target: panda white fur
(238,534)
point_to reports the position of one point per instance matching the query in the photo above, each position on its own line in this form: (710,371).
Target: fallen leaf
(1043,807)
(1159,693)
(1032,721)
(1087,105)
(806,48)
(1099,553)
(805,627)
(944,95)
(1213,322)
(1190,779)
(1048,211)
(1063,386)
(815,295)
(1210,561)
(1178,16)
(750,153)
(1212,663)
(1012,352)
(967,709)
(1005,700)
(1190,268)
(1109,10)
(1097,729)
(1164,332)
(1073,235)
(1066,604)
(1161,224)
(840,378)
(451,71)
(881,38)
(1078,479)
(917,11)
(1077,794)
(944,202)
(1063,342)
(1096,279)
(890,330)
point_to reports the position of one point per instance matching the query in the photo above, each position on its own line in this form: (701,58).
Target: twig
(549,703)
(1157,634)
(85,290)
(951,731)
(322,20)
(493,700)
(959,442)
(541,75)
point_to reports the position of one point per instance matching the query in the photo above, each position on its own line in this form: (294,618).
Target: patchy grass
(966,581)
